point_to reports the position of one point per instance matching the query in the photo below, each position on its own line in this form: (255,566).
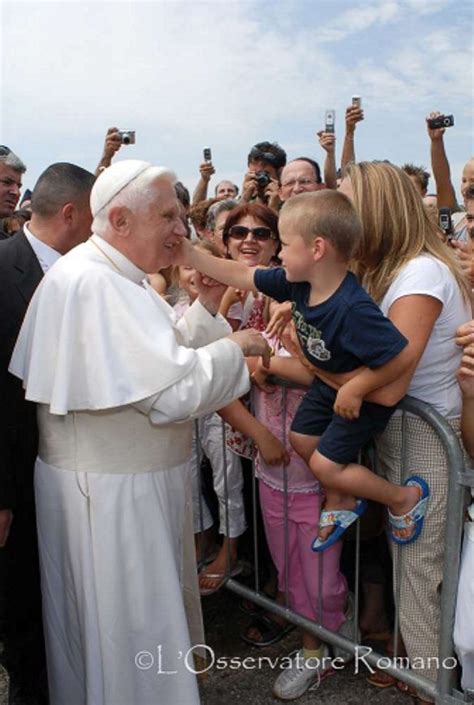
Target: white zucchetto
(113,179)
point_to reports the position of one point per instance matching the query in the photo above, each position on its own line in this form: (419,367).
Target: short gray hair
(136,194)
(12,160)
(216,209)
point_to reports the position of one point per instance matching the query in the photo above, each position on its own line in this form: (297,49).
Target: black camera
(441,121)
(263,179)
(445,222)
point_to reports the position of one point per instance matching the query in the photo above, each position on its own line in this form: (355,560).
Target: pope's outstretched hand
(252,344)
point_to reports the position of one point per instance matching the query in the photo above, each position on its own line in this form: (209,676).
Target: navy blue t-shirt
(342,333)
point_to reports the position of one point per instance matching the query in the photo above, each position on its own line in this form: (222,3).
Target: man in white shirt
(117,382)
(61,219)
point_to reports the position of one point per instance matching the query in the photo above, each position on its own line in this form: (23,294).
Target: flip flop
(220,577)
(270,631)
(341,519)
(381,680)
(414,518)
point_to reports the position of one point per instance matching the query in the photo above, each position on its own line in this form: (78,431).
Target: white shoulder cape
(93,339)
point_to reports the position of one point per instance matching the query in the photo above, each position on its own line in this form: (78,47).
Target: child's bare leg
(304,445)
(343,483)
(311,642)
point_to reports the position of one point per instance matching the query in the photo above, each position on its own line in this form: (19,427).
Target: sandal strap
(408,520)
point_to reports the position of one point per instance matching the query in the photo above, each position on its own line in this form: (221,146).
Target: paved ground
(224,621)
(247,686)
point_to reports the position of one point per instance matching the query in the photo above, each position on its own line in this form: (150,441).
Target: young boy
(340,330)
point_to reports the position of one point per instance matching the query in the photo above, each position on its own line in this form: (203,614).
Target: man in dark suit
(11,172)
(61,219)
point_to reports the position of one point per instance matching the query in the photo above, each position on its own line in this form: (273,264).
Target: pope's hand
(252,344)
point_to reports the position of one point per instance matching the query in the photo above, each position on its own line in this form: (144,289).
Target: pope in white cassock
(117,382)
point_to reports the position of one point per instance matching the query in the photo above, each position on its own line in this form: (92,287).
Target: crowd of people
(141,326)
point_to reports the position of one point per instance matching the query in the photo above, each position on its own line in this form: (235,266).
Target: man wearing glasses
(11,171)
(298,176)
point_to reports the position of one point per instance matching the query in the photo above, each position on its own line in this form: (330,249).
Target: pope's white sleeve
(197,327)
(219,376)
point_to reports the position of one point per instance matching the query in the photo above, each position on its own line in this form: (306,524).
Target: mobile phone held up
(206,152)
(356,101)
(330,121)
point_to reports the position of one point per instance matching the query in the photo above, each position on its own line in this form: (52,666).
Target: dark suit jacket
(20,274)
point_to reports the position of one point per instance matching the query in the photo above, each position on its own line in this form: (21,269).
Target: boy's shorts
(341,439)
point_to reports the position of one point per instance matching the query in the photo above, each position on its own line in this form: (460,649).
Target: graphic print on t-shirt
(310,337)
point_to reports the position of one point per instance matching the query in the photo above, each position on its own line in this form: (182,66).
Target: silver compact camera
(127,136)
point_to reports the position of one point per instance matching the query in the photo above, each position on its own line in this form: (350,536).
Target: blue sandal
(414,518)
(341,519)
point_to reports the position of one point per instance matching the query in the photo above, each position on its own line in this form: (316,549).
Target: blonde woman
(417,281)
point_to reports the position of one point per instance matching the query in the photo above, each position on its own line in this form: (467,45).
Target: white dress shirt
(45,254)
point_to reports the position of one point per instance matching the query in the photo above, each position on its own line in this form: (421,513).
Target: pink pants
(303,564)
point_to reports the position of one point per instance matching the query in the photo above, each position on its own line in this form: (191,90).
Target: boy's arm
(226,271)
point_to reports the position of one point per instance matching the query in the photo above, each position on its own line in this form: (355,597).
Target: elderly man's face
(157,229)
(10,187)
(297,177)
(226,189)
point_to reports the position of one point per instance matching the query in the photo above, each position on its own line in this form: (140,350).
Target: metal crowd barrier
(443,691)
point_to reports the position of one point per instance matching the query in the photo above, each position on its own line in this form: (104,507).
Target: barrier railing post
(443,690)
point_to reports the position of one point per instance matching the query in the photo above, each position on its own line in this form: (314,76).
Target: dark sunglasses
(240,232)
(4,151)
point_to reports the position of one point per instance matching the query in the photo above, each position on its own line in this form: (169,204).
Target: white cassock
(117,384)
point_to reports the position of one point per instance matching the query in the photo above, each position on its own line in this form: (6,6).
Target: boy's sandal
(412,519)
(340,519)
(270,631)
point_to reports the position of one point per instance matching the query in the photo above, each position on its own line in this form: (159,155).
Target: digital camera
(441,121)
(263,179)
(128,136)
(206,152)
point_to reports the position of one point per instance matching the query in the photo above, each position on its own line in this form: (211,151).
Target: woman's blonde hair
(396,227)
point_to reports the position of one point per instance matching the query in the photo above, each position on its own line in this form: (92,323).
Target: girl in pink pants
(320,600)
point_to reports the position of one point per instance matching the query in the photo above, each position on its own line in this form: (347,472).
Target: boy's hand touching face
(347,403)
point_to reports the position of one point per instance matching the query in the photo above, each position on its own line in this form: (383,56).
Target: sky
(227,74)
